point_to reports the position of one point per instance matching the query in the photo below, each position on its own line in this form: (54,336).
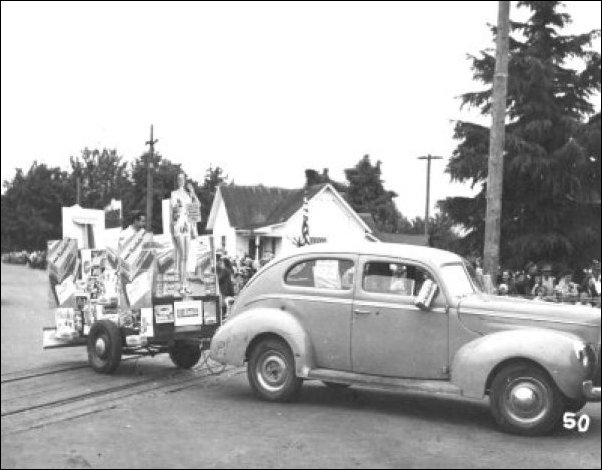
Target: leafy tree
(164,182)
(31,207)
(103,176)
(552,165)
(442,232)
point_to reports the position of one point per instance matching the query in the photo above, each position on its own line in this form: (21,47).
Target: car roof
(420,253)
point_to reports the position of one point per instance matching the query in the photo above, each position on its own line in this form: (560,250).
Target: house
(256,220)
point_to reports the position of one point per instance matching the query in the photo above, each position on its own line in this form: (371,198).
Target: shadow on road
(431,410)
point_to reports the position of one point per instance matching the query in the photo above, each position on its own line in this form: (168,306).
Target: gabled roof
(368,220)
(250,207)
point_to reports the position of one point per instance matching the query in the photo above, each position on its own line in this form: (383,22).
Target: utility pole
(429,158)
(78,191)
(495,178)
(150,163)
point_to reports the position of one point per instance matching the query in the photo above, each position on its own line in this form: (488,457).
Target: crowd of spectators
(233,273)
(34,259)
(545,284)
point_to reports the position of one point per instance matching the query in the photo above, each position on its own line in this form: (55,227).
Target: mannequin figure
(182,230)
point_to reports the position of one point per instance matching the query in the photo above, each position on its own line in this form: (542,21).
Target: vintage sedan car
(410,318)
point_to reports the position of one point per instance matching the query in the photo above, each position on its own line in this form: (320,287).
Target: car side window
(393,278)
(322,273)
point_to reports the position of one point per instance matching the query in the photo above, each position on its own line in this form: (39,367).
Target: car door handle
(362,312)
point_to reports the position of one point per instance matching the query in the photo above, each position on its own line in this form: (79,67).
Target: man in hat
(138,223)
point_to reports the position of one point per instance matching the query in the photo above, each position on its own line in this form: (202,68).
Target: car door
(391,336)
(320,292)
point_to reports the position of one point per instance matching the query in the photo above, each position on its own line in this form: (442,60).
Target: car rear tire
(185,354)
(104,347)
(271,372)
(525,401)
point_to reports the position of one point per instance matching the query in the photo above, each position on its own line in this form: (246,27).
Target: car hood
(486,314)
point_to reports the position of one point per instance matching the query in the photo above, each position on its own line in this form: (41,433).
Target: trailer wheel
(104,347)
(185,354)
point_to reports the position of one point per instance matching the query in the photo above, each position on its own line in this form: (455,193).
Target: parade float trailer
(124,299)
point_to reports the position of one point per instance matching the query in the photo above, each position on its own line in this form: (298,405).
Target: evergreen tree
(366,193)
(206,192)
(552,165)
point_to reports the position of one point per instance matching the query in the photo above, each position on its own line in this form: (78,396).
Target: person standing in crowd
(224,279)
(566,290)
(547,280)
(138,223)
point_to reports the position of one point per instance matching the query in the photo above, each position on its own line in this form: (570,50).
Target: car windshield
(460,279)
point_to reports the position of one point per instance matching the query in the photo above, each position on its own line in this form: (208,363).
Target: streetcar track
(84,396)
(106,391)
(72,418)
(94,403)
(41,372)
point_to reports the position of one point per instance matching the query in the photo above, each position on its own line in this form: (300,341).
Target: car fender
(231,342)
(476,362)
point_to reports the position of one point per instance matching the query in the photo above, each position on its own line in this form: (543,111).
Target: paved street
(57,413)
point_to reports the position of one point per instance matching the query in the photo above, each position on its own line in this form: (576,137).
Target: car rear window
(322,273)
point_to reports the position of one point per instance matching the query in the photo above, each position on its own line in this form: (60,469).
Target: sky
(263,90)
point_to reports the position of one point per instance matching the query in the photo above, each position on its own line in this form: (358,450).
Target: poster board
(62,269)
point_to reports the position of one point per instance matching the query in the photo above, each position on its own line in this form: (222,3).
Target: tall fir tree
(367,194)
(551,202)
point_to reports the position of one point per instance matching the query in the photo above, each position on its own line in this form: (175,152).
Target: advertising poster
(210,313)
(66,323)
(164,314)
(63,267)
(146,322)
(188,313)
(327,275)
(137,263)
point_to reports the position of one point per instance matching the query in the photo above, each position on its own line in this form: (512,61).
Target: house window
(224,242)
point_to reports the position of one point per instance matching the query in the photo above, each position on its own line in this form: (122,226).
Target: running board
(439,387)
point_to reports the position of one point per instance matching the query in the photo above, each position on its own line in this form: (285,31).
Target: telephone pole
(150,163)
(495,178)
(429,158)
(78,191)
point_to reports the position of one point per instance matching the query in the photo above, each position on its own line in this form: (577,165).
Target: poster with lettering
(327,275)
(137,264)
(62,267)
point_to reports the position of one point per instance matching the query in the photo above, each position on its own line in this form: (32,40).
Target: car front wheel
(525,401)
(271,371)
